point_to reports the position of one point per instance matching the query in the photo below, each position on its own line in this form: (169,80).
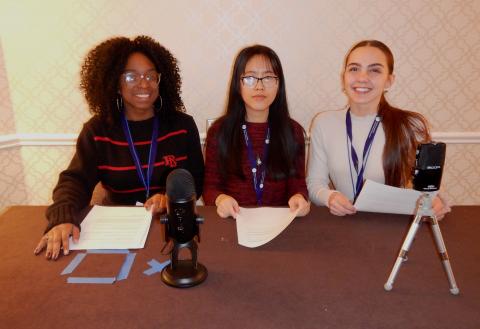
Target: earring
(158,108)
(119,100)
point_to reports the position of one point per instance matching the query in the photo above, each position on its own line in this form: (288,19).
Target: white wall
(436,45)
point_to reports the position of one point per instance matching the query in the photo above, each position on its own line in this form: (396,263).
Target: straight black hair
(282,147)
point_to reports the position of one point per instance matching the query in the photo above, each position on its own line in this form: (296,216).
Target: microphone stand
(184,273)
(424,209)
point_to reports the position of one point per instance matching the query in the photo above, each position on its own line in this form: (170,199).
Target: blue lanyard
(151,154)
(352,154)
(255,165)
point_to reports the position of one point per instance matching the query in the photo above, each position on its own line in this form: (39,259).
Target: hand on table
(56,239)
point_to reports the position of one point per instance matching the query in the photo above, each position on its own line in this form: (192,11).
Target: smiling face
(261,94)
(139,96)
(365,78)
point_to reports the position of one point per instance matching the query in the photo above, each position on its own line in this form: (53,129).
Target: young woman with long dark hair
(255,153)
(368,139)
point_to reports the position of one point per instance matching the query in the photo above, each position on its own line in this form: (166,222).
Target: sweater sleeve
(213,182)
(317,169)
(75,184)
(195,157)
(297,184)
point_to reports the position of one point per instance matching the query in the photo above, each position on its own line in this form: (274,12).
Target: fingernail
(65,252)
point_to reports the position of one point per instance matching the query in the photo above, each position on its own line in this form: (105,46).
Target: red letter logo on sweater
(170,161)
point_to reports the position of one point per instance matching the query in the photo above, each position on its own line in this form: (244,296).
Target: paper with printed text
(113,228)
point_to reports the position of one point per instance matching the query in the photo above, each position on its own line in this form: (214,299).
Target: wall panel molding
(16,140)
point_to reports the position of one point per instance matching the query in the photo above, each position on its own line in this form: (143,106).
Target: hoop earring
(119,101)
(158,108)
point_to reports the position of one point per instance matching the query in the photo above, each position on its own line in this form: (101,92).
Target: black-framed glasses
(268,81)
(133,78)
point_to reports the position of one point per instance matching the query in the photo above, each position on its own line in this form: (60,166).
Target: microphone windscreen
(180,185)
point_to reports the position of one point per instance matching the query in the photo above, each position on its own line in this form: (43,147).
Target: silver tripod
(424,210)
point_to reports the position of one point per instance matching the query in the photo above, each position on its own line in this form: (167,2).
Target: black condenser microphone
(181,226)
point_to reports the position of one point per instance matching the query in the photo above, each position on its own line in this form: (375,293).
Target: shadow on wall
(12,175)
(7,123)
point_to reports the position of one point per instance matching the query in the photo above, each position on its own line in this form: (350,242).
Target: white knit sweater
(328,160)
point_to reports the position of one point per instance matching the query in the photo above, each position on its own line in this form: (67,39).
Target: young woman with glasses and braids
(368,139)
(137,135)
(255,153)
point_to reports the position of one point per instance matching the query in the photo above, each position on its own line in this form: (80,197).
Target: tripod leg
(412,231)
(444,256)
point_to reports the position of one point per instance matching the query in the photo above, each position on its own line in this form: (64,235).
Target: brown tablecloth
(321,272)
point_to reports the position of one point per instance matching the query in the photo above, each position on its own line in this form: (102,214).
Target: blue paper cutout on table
(155,267)
(122,274)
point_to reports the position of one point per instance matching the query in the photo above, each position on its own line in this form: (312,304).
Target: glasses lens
(152,77)
(269,81)
(249,82)
(131,77)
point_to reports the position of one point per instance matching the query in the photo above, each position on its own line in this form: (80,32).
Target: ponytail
(404,130)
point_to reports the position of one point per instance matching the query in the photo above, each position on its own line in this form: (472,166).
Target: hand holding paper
(257,226)
(340,205)
(376,197)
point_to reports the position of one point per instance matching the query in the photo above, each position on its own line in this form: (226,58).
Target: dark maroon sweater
(102,155)
(275,192)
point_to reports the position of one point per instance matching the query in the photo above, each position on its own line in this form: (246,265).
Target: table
(321,272)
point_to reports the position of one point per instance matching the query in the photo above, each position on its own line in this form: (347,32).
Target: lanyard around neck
(256,165)
(145,179)
(352,154)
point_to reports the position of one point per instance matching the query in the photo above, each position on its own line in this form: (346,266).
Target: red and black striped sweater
(102,155)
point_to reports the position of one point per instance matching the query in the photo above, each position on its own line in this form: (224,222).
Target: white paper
(257,226)
(114,228)
(376,197)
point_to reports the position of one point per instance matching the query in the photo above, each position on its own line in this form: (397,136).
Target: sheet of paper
(114,228)
(257,226)
(376,197)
